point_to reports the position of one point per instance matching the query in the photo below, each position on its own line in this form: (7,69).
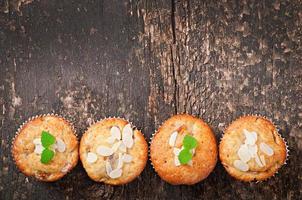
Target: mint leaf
(185,156)
(189,142)
(47,139)
(46,156)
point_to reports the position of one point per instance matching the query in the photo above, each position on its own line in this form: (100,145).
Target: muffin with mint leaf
(45,147)
(184,150)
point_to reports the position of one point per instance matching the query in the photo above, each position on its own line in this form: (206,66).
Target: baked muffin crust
(23,148)
(267,138)
(162,156)
(97,136)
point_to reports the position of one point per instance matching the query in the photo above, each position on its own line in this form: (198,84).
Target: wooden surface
(146,61)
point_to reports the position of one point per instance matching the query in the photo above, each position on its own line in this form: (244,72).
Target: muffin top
(251,149)
(113,152)
(45,147)
(183,150)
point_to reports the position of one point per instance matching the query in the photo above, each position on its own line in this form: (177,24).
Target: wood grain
(146,61)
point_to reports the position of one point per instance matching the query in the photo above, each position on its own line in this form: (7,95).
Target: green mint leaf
(185,156)
(47,139)
(46,156)
(189,142)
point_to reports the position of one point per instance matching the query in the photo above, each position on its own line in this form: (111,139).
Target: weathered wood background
(146,61)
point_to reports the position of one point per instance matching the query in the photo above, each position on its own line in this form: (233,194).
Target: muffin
(45,147)
(251,149)
(183,150)
(113,151)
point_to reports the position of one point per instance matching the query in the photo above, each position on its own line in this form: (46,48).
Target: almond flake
(53,146)
(176,151)
(240,165)
(111,140)
(127,135)
(61,147)
(37,141)
(258,161)
(251,137)
(172,139)
(66,168)
(115,132)
(123,148)
(91,157)
(104,151)
(115,173)
(266,149)
(120,161)
(254,134)
(128,142)
(116,146)
(176,161)
(262,158)
(243,153)
(39,149)
(192,151)
(190,163)
(127,130)
(108,167)
(253,149)
(127,158)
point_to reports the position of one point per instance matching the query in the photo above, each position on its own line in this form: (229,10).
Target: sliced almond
(91,157)
(253,149)
(176,151)
(61,147)
(262,158)
(258,161)
(108,168)
(120,161)
(104,151)
(176,161)
(127,130)
(66,168)
(192,151)
(115,132)
(116,146)
(240,165)
(53,146)
(128,142)
(254,134)
(265,148)
(243,153)
(39,149)
(127,135)
(116,173)
(190,163)
(250,137)
(172,138)
(37,141)
(123,148)
(127,158)
(111,139)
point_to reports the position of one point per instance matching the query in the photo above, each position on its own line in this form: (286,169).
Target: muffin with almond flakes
(252,149)
(113,151)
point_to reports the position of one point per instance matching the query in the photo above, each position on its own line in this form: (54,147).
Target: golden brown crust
(162,156)
(96,135)
(29,163)
(234,137)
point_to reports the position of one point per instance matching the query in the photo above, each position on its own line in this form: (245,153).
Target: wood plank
(146,61)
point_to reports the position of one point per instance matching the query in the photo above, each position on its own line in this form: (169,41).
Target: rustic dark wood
(145,61)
